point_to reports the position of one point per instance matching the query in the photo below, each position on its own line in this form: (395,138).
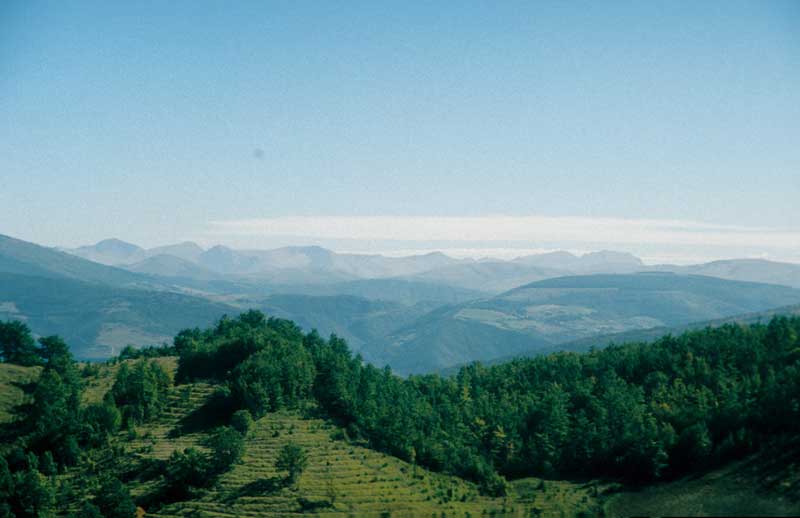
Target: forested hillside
(540,316)
(637,413)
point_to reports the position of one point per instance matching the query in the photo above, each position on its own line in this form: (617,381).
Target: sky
(667,129)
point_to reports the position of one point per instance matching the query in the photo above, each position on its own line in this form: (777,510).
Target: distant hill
(644,335)
(756,270)
(418,313)
(542,315)
(488,276)
(303,265)
(166,265)
(313,260)
(408,292)
(188,251)
(97,320)
(604,261)
(363,323)
(111,252)
(22,257)
(641,335)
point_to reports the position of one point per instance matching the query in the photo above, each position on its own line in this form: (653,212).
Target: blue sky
(163,121)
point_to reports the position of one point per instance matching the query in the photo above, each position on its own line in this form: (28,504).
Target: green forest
(635,412)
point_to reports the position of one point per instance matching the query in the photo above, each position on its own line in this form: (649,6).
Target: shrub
(242,421)
(292,459)
(227,446)
(114,500)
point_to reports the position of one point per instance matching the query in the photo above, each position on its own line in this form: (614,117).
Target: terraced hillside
(346,479)
(359,481)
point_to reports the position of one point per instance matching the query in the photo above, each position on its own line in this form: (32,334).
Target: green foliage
(293,460)
(242,421)
(275,377)
(140,392)
(6,482)
(47,465)
(130,352)
(87,510)
(227,448)
(213,353)
(185,471)
(638,411)
(99,420)
(54,418)
(25,494)
(17,344)
(189,470)
(90,370)
(113,499)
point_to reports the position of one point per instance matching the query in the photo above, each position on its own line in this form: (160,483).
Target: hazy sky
(670,129)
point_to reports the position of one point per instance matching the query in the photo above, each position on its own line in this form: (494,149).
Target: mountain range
(417,313)
(315,265)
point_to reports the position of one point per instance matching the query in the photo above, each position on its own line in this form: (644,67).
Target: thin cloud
(530,229)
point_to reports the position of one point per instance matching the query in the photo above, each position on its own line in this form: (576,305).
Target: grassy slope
(365,482)
(13,380)
(759,485)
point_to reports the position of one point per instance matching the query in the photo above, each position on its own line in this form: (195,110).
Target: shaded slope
(765,484)
(97,319)
(408,292)
(360,321)
(166,265)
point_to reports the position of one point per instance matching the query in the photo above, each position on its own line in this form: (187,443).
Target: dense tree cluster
(53,422)
(262,360)
(637,411)
(17,345)
(140,391)
(24,491)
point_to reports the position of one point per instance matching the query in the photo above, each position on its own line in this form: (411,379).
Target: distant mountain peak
(115,245)
(611,256)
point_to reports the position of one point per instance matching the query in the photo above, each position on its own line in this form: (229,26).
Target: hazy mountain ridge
(416,313)
(296,265)
(22,257)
